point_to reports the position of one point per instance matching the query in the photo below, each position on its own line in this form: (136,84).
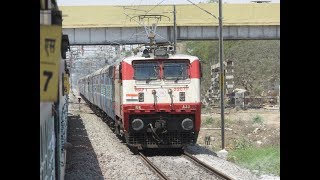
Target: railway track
(206,166)
(153,167)
(191,158)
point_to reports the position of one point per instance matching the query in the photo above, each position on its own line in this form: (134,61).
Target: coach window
(111,72)
(101,84)
(97,82)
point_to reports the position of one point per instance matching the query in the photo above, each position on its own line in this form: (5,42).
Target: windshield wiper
(177,79)
(150,78)
(155,74)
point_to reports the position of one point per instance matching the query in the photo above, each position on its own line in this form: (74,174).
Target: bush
(209,120)
(257,119)
(242,144)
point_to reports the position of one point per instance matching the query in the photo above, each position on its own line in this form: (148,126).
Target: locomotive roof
(175,56)
(139,57)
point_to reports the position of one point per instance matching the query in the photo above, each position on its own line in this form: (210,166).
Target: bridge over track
(104,25)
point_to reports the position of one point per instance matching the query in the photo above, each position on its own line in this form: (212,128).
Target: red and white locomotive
(152,99)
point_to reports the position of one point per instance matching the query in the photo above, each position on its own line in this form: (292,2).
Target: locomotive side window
(175,70)
(146,70)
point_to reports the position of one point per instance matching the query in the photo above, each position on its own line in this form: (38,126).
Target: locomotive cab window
(175,70)
(146,70)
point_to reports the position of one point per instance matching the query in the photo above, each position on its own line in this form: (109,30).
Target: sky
(139,2)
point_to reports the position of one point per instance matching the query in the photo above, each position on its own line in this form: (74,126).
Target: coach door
(111,93)
(118,91)
(120,82)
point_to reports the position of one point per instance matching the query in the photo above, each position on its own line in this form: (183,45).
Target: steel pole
(175,29)
(221,73)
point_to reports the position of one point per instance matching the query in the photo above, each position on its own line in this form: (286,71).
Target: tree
(256,62)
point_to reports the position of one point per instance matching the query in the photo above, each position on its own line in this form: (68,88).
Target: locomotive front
(160,100)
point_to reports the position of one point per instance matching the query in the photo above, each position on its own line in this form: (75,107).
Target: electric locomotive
(152,99)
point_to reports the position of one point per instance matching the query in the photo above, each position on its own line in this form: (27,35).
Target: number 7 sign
(50,57)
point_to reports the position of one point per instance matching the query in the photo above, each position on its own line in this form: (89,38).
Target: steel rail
(206,166)
(153,167)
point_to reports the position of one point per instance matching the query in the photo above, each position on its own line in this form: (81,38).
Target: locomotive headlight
(187,124)
(137,124)
(182,96)
(141,97)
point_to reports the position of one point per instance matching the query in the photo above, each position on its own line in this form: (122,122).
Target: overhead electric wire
(154,7)
(146,27)
(202,9)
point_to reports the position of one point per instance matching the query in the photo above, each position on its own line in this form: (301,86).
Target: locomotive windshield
(175,70)
(146,70)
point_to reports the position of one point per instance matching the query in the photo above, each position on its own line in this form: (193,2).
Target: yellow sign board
(50,55)
(221,81)
(66,84)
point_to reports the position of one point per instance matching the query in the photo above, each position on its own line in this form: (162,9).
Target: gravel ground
(180,168)
(98,154)
(222,165)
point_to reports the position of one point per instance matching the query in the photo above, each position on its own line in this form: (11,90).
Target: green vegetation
(257,119)
(242,144)
(256,69)
(216,122)
(264,160)
(209,120)
(205,110)
(256,62)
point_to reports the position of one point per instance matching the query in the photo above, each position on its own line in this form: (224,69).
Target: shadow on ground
(196,149)
(82,161)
